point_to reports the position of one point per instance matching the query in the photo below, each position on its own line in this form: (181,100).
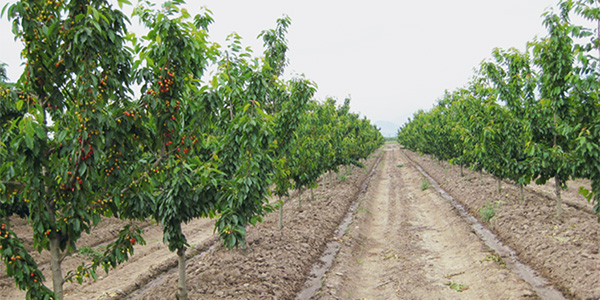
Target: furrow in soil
(407,242)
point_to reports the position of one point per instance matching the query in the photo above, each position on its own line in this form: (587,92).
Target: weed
(349,171)
(457,286)
(342,178)
(363,210)
(488,211)
(495,258)
(400,165)
(425,185)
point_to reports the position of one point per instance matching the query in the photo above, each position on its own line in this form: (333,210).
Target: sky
(391,57)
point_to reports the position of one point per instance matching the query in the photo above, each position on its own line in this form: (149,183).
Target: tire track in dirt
(410,243)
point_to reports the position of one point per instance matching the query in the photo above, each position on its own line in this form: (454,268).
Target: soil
(404,242)
(565,250)
(407,242)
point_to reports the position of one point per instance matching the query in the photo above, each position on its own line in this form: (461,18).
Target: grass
(425,185)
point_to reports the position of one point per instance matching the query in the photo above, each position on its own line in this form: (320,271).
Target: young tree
(59,126)
(256,139)
(552,115)
(210,150)
(586,97)
(514,82)
(180,180)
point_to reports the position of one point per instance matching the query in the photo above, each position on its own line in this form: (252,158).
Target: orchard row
(531,115)
(76,145)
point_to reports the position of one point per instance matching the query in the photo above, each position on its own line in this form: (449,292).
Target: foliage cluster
(525,116)
(77,144)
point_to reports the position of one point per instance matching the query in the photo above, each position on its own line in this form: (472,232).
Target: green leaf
(76,224)
(121,2)
(184,13)
(41,134)
(82,169)
(29,133)
(4,9)
(254,220)
(61,136)
(586,193)
(94,12)
(97,26)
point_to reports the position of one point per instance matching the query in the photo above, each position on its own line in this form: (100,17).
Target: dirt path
(408,243)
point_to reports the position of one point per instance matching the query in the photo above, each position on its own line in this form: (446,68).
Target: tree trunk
(499,184)
(281,215)
(182,281)
(558,198)
(556,179)
(312,194)
(462,174)
(522,194)
(57,278)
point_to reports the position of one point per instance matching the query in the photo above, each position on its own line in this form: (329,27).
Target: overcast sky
(391,57)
